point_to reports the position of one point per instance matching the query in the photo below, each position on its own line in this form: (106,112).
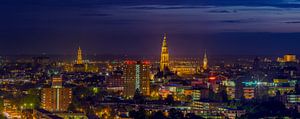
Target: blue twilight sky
(135,27)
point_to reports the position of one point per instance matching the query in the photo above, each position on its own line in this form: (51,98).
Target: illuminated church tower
(79,56)
(164,57)
(205,61)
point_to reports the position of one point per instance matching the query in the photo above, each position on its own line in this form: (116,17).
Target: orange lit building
(184,67)
(249,92)
(184,70)
(136,75)
(10,110)
(56,98)
(288,58)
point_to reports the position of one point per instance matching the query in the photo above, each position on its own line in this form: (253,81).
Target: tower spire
(164,57)
(165,40)
(79,56)
(205,61)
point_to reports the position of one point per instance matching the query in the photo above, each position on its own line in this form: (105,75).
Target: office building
(57,98)
(136,75)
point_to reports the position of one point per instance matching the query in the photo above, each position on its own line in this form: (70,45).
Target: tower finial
(165,40)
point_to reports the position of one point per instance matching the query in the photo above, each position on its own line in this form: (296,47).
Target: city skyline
(135,28)
(149,59)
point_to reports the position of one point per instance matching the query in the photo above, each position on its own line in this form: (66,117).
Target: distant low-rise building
(288,58)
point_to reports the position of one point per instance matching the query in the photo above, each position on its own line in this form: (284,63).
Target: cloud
(222,11)
(239,21)
(152,7)
(90,3)
(292,22)
(232,21)
(96,14)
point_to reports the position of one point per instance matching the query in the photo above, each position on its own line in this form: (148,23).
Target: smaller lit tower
(79,56)
(205,61)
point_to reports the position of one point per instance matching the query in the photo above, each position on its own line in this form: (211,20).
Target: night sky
(136,27)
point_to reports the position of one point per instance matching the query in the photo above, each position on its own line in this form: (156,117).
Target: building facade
(115,82)
(136,75)
(56,98)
